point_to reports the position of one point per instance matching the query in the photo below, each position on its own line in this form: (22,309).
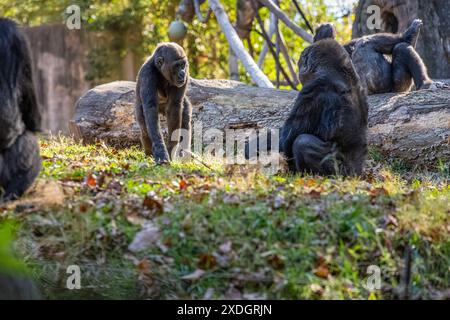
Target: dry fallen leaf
(232,294)
(209,294)
(196,275)
(254,296)
(143,265)
(153,204)
(91,180)
(84,207)
(226,247)
(183,184)
(207,261)
(322,270)
(135,219)
(314,194)
(145,238)
(377,192)
(316,289)
(276,261)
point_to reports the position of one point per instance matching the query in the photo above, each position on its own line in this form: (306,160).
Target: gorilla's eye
(180,65)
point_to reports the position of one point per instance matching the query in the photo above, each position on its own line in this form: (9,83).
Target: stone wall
(60,58)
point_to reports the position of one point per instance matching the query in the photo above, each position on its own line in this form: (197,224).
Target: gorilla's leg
(186,125)
(174,116)
(385,42)
(313,155)
(19,166)
(406,63)
(145,138)
(374,69)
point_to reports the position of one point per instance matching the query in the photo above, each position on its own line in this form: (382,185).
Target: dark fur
(326,130)
(380,74)
(13,287)
(20,117)
(161,89)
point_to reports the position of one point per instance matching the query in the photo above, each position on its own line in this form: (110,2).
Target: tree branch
(200,17)
(265,48)
(238,47)
(288,22)
(274,54)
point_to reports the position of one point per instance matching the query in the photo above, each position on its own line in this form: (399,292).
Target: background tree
(434,41)
(136,26)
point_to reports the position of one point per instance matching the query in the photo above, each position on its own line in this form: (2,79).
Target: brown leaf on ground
(315,194)
(377,192)
(152,204)
(84,207)
(143,265)
(322,270)
(91,180)
(276,261)
(183,184)
(207,261)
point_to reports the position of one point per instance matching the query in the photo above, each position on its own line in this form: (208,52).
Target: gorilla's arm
(149,97)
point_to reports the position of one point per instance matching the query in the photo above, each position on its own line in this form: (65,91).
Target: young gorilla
(326,130)
(20,118)
(161,88)
(380,75)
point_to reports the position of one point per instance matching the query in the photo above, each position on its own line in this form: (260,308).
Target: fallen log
(413,127)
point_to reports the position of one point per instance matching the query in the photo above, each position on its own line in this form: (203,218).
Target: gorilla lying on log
(326,131)
(161,89)
(20,117)
(379,74)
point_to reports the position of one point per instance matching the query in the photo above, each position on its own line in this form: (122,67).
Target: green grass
(282,237)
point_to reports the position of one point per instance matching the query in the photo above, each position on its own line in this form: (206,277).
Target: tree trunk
(434,40)
(414,127)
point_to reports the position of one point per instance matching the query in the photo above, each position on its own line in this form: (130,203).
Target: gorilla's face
(171,61)
(179,73)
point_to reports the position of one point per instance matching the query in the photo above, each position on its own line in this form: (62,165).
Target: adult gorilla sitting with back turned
(20,118)
(326,130)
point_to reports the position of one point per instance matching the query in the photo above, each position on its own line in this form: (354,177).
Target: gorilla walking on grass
(161,89)
(20,117)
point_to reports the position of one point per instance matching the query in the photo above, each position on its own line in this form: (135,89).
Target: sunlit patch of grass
(280,236)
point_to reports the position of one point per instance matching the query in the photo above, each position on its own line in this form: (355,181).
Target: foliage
(8,263)
(228,231)
(138,25)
